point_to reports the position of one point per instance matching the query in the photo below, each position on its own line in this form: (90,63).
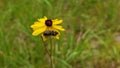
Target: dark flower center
(48,22)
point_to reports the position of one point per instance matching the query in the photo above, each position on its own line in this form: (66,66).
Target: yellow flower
(45,25)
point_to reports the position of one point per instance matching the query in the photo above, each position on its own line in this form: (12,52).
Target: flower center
(48,22)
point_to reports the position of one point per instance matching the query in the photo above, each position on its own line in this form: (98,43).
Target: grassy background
(91,39)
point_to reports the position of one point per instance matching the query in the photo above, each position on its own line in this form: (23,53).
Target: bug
(50,33)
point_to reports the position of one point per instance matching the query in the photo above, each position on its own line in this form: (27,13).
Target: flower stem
(51,56)
(51,53)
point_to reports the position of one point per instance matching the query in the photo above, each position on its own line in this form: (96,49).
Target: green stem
(54,52)
(51,53)
(51,56)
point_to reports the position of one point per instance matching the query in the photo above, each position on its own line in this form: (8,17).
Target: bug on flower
(50,33)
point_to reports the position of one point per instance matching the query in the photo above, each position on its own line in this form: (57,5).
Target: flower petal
(37,25)
(56,21)
(44,37)
(38,31)
(42,19)
(57,36)
(59,27)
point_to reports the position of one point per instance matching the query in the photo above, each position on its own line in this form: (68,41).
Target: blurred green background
(91,39)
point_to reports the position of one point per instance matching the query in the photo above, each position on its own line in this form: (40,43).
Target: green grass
(89,41)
